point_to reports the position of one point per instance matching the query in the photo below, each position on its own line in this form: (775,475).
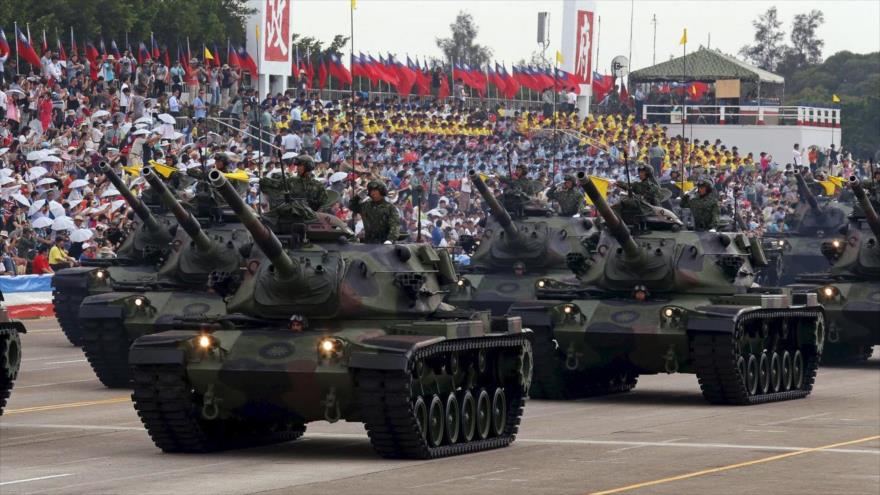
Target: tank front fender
(389,352)
(160,348)
(73,278)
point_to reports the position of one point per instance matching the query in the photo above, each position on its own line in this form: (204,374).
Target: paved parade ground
(65,433)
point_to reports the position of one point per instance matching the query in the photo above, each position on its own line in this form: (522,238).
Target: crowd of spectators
(58,125)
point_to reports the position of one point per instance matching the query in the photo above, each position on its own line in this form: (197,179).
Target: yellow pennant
(132,170)
(601,184)
(163,170)
(829,187)
(239,175)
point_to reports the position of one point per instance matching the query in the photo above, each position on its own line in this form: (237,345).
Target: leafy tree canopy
(462,46)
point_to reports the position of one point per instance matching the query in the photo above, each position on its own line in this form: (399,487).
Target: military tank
(10,353)
(661,299)
(380,347)
(521,245)
(813,224)
(143,250)
(850,290)
(202,266)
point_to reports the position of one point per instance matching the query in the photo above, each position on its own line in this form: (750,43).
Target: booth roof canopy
(704,65)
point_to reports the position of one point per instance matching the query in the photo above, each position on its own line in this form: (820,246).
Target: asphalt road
(64,433)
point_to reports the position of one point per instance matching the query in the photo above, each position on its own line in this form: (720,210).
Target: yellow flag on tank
(601,184)
(132,170)
(837,181)
(829,187)
(163,170)
(239,175)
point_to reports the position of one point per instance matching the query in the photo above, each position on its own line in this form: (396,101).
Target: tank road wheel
(436,420)
(775,372)
(764,373)
(741,368)
(797,370)
(105,345)
(499,412)
(453,419)
(420,411)
(484,414)
(67,312)
(786,371)
(752,375)
(10,361)
(468,416)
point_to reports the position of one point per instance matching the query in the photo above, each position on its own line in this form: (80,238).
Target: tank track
(846,353)
(724,373)
(67,305)
(552,381)
(10,361)
(389,405)
(171,414)
(105,345)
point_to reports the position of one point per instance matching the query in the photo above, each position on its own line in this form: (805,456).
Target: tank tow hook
(573,358)
(331,406)
(833,334)
(210,410)
(671,359)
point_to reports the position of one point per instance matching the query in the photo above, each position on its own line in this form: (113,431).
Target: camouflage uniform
(648,188)
(570,200)
(705,209)
(381,220)
(312,191)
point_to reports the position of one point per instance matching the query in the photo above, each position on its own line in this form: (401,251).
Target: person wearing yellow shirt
(58,257)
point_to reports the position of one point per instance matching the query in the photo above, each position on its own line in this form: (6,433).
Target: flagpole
(353,144)
(684,107)
(16,49)
(71,42)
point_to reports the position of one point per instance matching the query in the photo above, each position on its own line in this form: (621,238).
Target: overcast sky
(509,27)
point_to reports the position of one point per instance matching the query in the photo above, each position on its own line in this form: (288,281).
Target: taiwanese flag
(4,44)
(62,55)
(114,49)
(405,76)
(25,50)
(310,71)
(143,53)
(443,92)
(167,57)
(217,61)
(74,50)
(102,49)
(358,69)
(494,77)
(155,48)
(602,85)
(232,58)
(91,52)
(247,62)
(385,71)
(322,73)
(460,74)
(338,70)
(565,80)
(423,79)
(522,78)
(478,78)
(511,85)
(546,78)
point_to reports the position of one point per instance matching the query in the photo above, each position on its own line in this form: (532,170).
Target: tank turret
(140,209)
(806,194)
(184,218)
(285,268)
(498,212)
(867,208)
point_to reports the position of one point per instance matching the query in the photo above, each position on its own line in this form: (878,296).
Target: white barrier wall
(778,140)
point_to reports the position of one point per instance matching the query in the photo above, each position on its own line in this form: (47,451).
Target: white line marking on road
(469,477)
(72,427)
(35,479)
(53,384)
(766,431)
(623,449)
(792,420)
(68,362)
(26,360)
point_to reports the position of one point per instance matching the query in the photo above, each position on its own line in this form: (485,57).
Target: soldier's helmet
(647,169)
(704,183)
(568,178)
(305,160)
(297,318)
(379,186)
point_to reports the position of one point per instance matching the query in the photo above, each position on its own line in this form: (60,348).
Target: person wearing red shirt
(40,264)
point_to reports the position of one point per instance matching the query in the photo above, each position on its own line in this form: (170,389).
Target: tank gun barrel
(140,209)
(805,192)
(615,225)
(501,215)
(285,267)
(865,203)
(184,218)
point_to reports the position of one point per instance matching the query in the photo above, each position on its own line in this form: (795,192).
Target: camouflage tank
(10,353)
(812,225)
(203,265)
(669,300)
(522,244)
(850,290)
(138,256)
(379,347)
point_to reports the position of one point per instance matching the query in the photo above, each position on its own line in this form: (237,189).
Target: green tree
(462,46)
(768,48)
(307,46)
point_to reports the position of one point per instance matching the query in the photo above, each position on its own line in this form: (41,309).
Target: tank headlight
(828,292)
(569,309)
(669,312)
(141,302)
(101,274)
(330,347)
(541,284)
(206,342)
(461,282)
(836,244)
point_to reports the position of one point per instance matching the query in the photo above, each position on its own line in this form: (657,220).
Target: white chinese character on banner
(583,48)
(274,26)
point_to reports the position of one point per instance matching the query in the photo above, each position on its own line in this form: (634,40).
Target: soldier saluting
(381,218)
(569,198)
(704,206)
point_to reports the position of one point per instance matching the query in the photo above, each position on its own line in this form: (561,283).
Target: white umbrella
(168,119)
(56,208)
(16,92)
(41,222)
(174,137)
(21,198)
(99,209)
(100,113)
(6,180)
(81,235)
(110,192)
(36,155)
(36,172)
(46,180)
(51,159)
(140,132)
(125,128)
(36,206)
(5,172)
(338,176)
(63,223)
(116,205)
(78,183)
(144,120)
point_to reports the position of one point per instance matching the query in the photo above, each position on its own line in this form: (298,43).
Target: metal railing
(741,115)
